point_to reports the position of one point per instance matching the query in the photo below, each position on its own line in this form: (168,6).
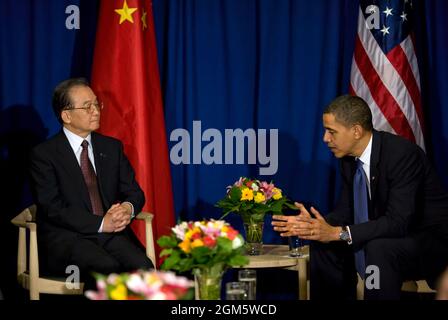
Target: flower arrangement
(207,248)
(253,199)
(142,285)
(202,244)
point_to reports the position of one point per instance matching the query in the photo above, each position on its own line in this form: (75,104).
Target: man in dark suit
(391,223)
(85,191)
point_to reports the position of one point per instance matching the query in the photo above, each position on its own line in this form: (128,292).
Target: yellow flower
(277,194)
(247,194)
(259,197)
(225,229)
(185,246)
(197,243)
(119,293)
(188,235)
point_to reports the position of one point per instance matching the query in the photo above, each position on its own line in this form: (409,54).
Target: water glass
(295,246)
(236,291)
(249,276)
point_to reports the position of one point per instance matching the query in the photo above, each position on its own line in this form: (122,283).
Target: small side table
(277,256)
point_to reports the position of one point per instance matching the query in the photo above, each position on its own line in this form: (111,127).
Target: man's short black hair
(61,96)
(351,110)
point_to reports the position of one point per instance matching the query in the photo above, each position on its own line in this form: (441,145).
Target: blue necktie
(361,211)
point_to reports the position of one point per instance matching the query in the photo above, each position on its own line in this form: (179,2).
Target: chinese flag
(126,78)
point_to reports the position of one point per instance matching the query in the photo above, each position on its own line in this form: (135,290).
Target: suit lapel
(68,157)
(100,157)
(374,159)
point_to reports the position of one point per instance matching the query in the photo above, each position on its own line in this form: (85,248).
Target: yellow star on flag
(126,13)
(144,25)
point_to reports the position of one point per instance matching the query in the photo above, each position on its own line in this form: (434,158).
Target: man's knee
(140,261)
(106,265)
(380,250)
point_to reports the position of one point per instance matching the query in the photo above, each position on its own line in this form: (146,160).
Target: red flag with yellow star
(126,78)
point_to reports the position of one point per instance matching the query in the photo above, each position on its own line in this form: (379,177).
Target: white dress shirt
(365,159)
(75,142)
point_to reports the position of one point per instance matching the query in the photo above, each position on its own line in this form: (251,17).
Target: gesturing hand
(304,226)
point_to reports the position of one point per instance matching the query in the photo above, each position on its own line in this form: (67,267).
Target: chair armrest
(19,222)
(26,218)
(144,216)
(150,250)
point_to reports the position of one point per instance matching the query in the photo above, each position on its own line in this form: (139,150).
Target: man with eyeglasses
(85,191)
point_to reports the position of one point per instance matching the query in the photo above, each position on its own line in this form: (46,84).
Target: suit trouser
(107,254)
(333,274)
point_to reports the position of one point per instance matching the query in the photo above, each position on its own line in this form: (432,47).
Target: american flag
(385,70)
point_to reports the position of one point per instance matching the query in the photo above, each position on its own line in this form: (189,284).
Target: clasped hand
(305,226)
(117,217)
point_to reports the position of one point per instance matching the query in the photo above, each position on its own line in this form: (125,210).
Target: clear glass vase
(208,281)
(253,227)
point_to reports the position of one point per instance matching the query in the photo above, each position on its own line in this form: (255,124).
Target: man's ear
(65,116)
(358,131)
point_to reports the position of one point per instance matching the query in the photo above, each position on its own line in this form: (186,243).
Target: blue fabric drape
(276,64)
(255,64)
(267,64)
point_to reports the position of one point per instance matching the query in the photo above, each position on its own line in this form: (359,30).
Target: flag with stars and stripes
(385,70)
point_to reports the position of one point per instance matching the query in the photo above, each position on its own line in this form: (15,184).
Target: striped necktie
(90,179)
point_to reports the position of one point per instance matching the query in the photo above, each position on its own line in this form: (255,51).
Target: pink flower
(148,285)
(92,295)
(267,189)
(239,183)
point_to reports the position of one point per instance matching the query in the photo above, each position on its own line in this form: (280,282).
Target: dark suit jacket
(407,198)
(64,211)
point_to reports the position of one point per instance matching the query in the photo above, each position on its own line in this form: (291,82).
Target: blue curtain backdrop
(267,64)
(255,64)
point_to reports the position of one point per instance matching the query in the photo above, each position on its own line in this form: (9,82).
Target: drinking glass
(295,246)
(236,291)
(249,276)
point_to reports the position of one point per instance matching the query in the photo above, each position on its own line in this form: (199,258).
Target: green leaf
(166,252)
(223,203)
(185,265)
(238,261)
(171,261)
(167,241)
(224,245)
(277,206)
(235,194)
(201,254)
(290,205)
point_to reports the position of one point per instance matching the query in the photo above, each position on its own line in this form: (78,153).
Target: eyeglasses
(89,107)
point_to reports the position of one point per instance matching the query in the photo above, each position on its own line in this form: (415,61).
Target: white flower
(197,224)
(136,283)
(254,186)
(237,242)
(101,284)
(179,230)
(157,296)
(113,278)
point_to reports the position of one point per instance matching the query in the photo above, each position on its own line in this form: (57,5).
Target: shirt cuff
(132,209)
(350,235)
(100,230)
